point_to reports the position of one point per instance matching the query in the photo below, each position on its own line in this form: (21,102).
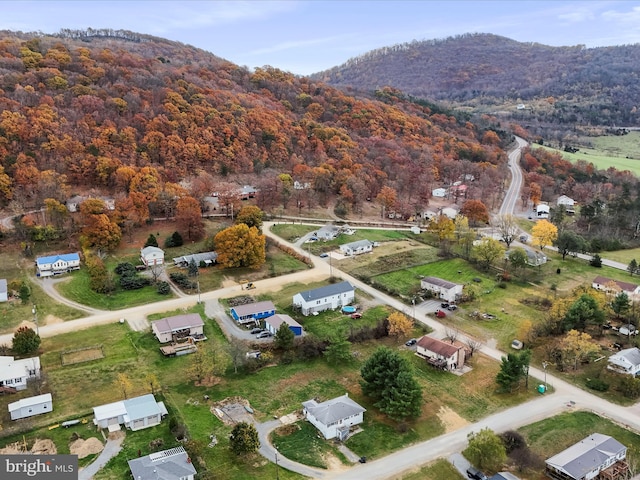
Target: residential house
(328,232)
(443,289)
(30,406)
(73,203)
(542,210)
(356,248)
(535,258)
(459,190)
(210,203)
(134,413)
(439,192)
(449,212)
(205,258)
(253,312)
(566,201)
(151,256)
(298,185)
(57,264)
(330,297)
(179,327)
(626,361)
(616,286)
(4,290)
(247,192)
(273,323)
(444,355)
(597,456)
(172,464)
(14,374)
(334,418)
(429,215)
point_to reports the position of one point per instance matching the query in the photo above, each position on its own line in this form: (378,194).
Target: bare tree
(452,334)
(473,345)
(237,350)
(508,228)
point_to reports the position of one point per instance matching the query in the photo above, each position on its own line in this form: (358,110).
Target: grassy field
(551,436)
(620,152)
(438,470)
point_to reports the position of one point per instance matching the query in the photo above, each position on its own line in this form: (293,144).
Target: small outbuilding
(4,290)
(30,406)
(542,210)
(134,413)
(273,323)
(151,256)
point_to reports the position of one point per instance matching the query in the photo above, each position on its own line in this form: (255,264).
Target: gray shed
(28,407)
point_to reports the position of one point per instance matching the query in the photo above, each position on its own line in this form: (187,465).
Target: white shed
(439,192)
(30,406)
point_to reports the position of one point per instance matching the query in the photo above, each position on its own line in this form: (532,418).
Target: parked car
(444,305)
(524,238)
(452,307)
(517,345)
(255,331)
(324,255)
(356,315)
(440,314)
(475,474)
(265,334)
(410,343)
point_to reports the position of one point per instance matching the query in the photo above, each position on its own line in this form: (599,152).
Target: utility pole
(34,311)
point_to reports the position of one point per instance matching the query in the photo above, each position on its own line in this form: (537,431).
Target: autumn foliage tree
(399,324)
(99,231)
(544,233)
(475,211)
(240,246)
(189,218)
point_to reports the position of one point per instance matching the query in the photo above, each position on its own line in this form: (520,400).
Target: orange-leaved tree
(240,246)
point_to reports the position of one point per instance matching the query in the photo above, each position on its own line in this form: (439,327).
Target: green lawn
(301,443)
(552,435)
(292,232)
(438,470)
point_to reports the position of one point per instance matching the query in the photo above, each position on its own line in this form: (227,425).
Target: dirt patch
(84,448)
(334,464)
(229,282)
(52,319)
(44,447)
(450,420)
(232,410)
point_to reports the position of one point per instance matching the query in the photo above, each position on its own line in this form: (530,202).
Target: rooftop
(333,410)
(327,291)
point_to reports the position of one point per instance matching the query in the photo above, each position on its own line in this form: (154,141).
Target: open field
(620,152)
(438,470)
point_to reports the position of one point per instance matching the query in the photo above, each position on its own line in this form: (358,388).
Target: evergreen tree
(388,378)
(193,268)
(151,241)
(338,351)
(513,368)
(284,337)
(244,439)
(632,267)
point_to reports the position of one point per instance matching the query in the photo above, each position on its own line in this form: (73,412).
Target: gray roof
(632,355)
(327,291)
(504,476)
(586,455)
(3,285)
(197,257)
(358,243)
(171,464)
(140,407)
(252,308)
(278,319)
(178,322)
(333,410)
(439,282)
(30,402)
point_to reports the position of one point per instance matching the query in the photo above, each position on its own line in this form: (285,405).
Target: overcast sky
(307,36)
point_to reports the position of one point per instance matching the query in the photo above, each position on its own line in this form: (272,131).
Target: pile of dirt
(12,449)
(44,447)
(84,448)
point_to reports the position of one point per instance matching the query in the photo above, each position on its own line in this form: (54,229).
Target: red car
(440,314)
(356,315)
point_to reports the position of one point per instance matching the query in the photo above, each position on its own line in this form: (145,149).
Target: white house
(247,192)
(535,258)
(449,212)
(73,203)
(14,374)
(439,192)
(356,248)
(172,464)
(626,361)
(589,457)
(57,264)
(328,232)
(134,413)
(444,355)
(566,201)
(542,210)
(4,290)
(334,418)
(178,327)
(610,285)
(151,256)
(444,289)
(30,406)
(320,299)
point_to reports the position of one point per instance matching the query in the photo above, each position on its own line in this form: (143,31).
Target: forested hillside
(563,86)
(135,116)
